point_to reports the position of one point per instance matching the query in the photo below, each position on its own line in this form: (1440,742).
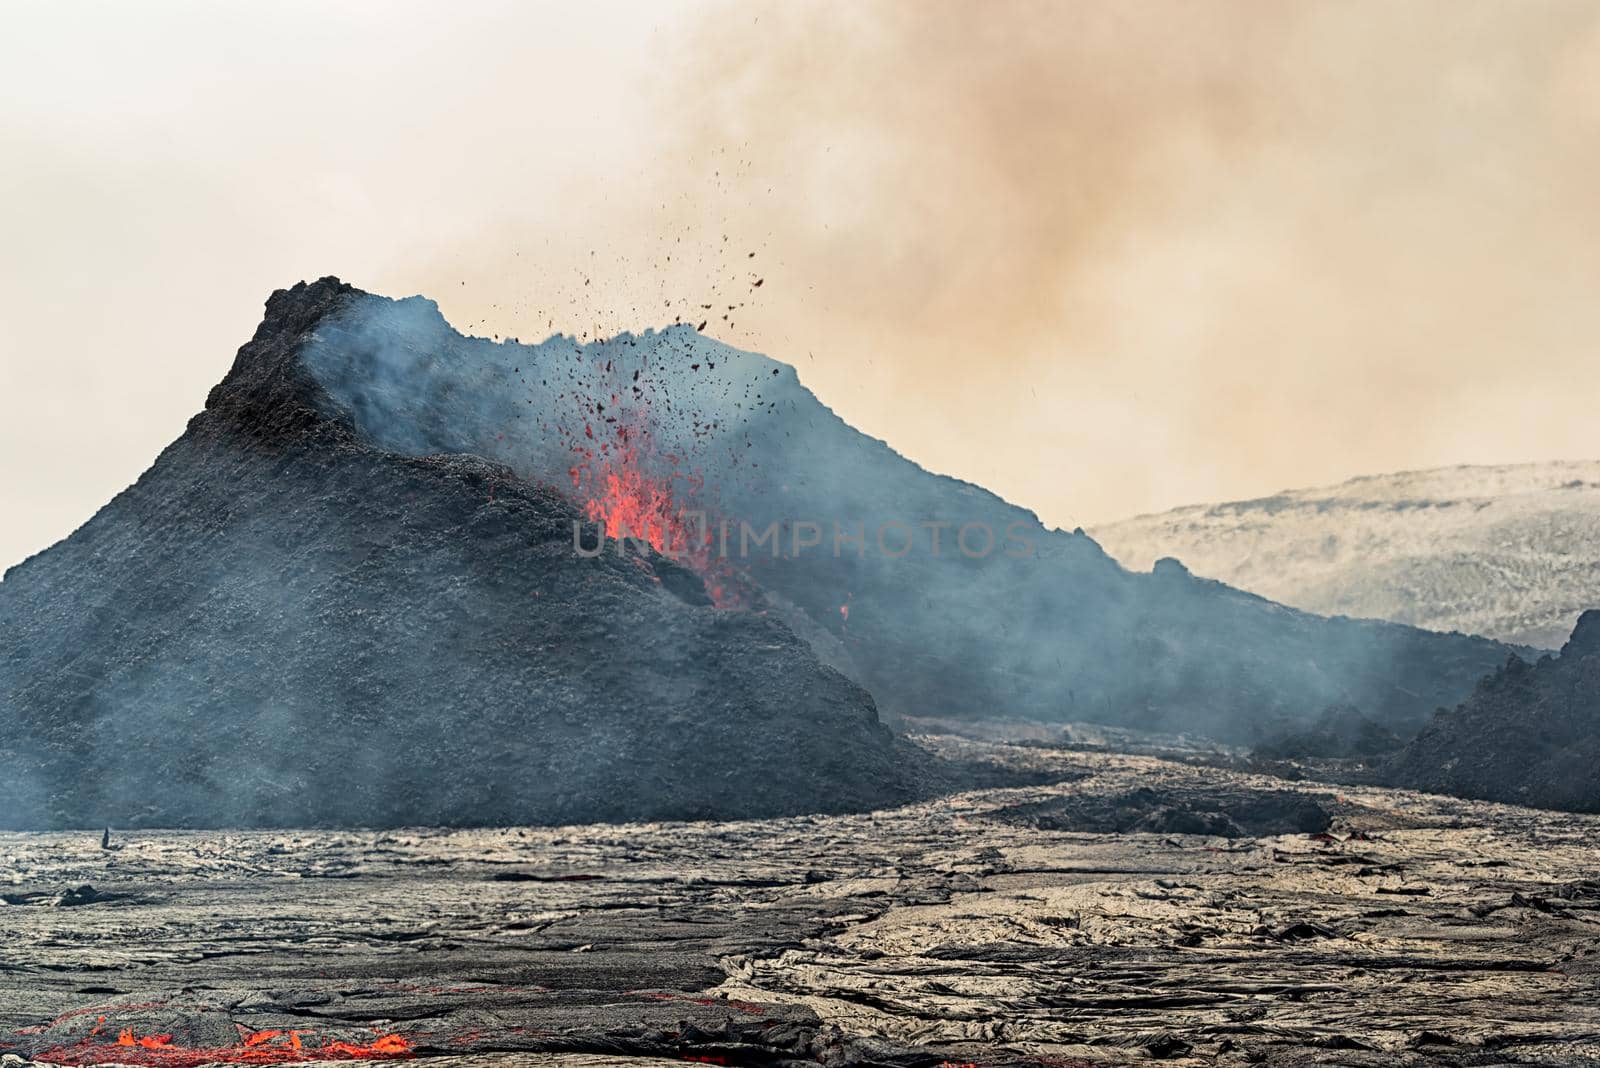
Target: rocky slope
(284,623)
(941,598)
(1529,735)
(1509,552)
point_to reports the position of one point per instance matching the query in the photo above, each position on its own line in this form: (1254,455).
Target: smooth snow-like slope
(1509,552)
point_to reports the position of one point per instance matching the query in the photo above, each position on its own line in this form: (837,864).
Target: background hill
(1509,552)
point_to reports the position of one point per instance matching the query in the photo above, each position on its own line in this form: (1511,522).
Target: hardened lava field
(1216,917)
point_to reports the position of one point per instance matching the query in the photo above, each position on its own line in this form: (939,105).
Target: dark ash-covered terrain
(283,624)
(349,596)
(1529,734)
(1409,931)
(1341,732)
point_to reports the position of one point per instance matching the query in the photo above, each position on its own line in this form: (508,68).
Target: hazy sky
(1102,258)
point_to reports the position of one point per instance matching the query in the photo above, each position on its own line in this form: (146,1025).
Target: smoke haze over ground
(1102,259)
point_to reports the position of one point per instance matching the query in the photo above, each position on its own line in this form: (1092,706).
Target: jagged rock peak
(1585,636)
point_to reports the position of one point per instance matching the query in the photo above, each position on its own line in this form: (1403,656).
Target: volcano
(939,597)
(284,623)
(392,574)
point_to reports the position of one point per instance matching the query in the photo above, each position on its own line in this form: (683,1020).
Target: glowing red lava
(629,503)
(257,1047)
(633,490)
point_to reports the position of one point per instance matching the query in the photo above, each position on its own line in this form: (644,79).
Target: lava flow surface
(1140,908)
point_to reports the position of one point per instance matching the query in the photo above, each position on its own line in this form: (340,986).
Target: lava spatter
(254,1047)
(633,488)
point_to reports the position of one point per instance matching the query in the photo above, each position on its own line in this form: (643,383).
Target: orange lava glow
(630,504)
(258,1047)
(633,490)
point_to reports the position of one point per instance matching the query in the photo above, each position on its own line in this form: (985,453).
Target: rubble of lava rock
(1064,924)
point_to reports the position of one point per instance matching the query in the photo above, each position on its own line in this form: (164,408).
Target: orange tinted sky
(1102,258)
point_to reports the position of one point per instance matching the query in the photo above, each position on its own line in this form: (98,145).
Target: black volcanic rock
(1529,734)
(1340,733)
(1215,810)
(1015,620)
(283,623)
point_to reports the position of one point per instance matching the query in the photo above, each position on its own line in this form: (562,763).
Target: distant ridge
(1510,552)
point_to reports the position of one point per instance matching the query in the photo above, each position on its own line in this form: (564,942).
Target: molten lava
(630,504)
(258,1047)
(631,489)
